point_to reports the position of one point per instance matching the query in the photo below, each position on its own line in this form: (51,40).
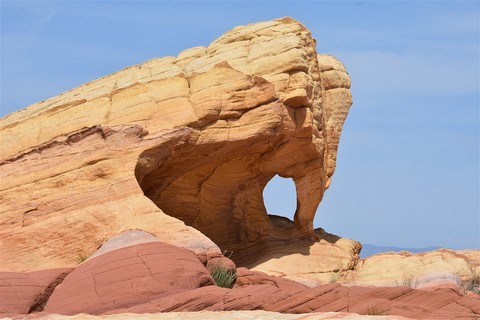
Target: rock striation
(216,315)
(180,147)
(128,276)
(155,277)
(22,292)
(442,267)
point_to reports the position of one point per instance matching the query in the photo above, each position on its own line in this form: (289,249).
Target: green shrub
(224,277)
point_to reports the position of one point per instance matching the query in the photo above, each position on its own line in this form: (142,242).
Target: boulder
(128,276)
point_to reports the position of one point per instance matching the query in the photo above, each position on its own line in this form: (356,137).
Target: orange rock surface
(181,147)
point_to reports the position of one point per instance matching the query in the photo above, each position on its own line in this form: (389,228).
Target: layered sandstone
(22,292)
(216,315)
(427,270)
(180,147)
(441,267)
(154,277)
(325,261)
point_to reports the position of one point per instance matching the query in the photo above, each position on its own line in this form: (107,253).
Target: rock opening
(280,199)
(218,190)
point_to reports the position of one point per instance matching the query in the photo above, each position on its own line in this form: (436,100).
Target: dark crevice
(41,301)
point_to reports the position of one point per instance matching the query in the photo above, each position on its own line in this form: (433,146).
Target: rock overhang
(258,101)
(253,123)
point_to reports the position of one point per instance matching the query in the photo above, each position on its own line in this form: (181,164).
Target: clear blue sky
(408,164)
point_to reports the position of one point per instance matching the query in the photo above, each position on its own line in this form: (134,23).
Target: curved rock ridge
(128,276)
(445,267)
(125,239)
(155,277)
(23,292)
(175,146)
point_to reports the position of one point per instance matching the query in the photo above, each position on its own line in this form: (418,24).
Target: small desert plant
(224,277)
(376,310)
(408,281)
(334,277)
(473,282)
(81,257)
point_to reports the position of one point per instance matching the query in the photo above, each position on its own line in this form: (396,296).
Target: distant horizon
(408,161)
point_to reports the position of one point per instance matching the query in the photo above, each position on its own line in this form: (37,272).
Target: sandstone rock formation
(439,267)
(21,293)
(180,147)
(106,186)
(311,264)
(215,315)
(153,277)
(126,277)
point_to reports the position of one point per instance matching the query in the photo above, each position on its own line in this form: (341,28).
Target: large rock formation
(181,147)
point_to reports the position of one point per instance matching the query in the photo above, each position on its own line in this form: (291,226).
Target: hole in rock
(280,199)
(219,189)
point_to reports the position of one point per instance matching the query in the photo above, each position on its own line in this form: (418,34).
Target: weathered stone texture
(21,292)
(175,146)
(155,277)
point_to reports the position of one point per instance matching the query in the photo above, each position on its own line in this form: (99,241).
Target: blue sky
(408,162)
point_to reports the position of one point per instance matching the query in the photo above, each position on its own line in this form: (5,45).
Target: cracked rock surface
(180,147)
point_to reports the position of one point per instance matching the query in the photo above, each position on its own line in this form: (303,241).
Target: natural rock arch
(217,189)
(199,134)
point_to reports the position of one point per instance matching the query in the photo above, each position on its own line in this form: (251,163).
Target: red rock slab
(127,277)
(367,300)
(212,298)
(305,299)
(418,304)
(400,301)
(20,291)
(258,291)
(258,296)
(471,301)
(157,277)
(246,277)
